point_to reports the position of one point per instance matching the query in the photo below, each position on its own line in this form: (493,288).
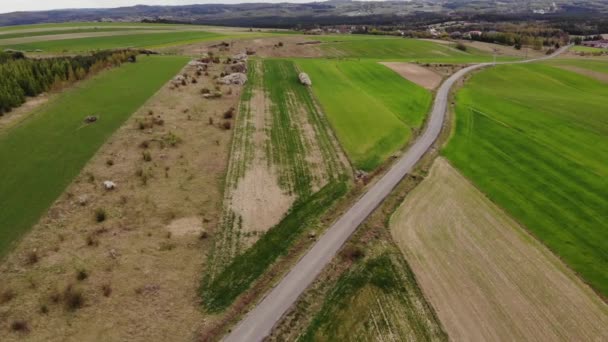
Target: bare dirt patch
(20,113)
(287,46)
(485,276)
(600,76)
(421,76)
(502,50)
(125,264)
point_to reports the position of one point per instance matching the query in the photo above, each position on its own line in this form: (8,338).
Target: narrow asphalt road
(259,322)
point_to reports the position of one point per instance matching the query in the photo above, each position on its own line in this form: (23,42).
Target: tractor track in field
(259,322)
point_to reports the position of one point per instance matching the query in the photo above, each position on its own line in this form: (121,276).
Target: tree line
(21,77)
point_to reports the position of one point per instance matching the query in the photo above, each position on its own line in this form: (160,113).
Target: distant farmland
(361,46)
(372,109)
(533,138)
(49,149)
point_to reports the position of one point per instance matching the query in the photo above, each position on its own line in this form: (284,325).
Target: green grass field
(375,298)
(534,139)
(41,34)
(42,155)
(52,26)
(581,48)
(390,48)
(114,42)
(596,65)
(372,109)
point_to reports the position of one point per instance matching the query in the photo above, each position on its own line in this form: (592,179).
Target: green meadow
(362,46)
(44,153)
(139,40)
(372,109)
(41,34)
(534,138)
(598,65)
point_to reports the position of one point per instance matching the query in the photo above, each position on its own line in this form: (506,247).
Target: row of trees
(21,77)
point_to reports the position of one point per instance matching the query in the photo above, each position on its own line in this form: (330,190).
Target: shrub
(171,139)
(227,125)
(100,215)
(211,121)
(106,289)
(82,275)
(7,295)
(44,309)
(147,157)
(32,257)
(92,241)
(20,326)
(109,162)
(205,91)
(229,114)
(144,144)
(73,298)
(461,47)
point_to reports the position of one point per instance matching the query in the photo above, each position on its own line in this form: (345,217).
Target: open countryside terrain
(218,189)
(522,129)
(482,272)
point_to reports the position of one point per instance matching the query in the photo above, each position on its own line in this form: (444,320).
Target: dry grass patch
(485,276)
(415,73)
(137,270)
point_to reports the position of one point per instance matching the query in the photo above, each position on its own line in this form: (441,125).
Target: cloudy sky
(37,5)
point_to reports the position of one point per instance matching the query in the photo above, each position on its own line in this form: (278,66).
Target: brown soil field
(421,76)
(502,50)
(487,279)
(600,76)
(133,276)
(263,47)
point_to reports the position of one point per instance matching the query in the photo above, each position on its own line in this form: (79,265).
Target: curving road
(259,322)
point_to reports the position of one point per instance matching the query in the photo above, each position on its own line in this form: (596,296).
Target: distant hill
(329,12)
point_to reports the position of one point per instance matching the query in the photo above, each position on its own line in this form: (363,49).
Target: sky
(37,5)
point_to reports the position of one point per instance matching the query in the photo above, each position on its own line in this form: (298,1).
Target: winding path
(259,322)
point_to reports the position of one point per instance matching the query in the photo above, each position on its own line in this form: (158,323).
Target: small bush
(211,121)
(144,144)
(461,47)
(194,81)
(44,309)
(92,241)
(106,289)
(20,326)
(147,157)
(171,139)
(229,114)
(82,275)
(100,215)
(32,257)
(227,125)
(205,91)
(109,162)
(7,295)
(73,298)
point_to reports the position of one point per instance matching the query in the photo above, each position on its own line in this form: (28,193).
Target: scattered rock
(197,63)
(113,253)
(304,79)
(109,185)
(90,119)
(236,78)
(237,67)
(360,174)
(83,200)
(241,57)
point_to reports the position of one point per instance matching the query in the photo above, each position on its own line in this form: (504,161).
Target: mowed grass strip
(42,155)
(122,41)
(240,274)
(372,109)
(534,139)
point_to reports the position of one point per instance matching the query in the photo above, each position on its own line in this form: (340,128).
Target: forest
(22,77)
